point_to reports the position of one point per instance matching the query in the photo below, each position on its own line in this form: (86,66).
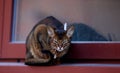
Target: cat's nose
(59,49)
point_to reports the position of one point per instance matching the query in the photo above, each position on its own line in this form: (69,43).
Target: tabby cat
(45,44)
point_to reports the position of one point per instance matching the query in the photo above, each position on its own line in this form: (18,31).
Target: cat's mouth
(58,50)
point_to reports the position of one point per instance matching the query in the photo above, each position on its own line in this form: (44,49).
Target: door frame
(10,49)
(78,50)
(1,24)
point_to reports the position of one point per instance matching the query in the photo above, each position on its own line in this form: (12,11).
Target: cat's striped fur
(45,45)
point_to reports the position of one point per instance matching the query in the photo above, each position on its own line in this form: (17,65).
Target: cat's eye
(65,41)
(55,40)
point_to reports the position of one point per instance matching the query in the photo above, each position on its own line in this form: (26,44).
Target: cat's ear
(70,31)
(50,31)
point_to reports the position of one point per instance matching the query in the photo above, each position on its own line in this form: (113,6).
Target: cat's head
(60,40)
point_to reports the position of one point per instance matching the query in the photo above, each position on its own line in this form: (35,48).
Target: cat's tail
(41,62)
